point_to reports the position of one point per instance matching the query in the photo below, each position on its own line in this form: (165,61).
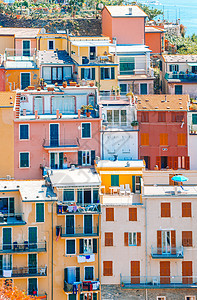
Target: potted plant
(135,124)
(39,88)
(87,108)
(91,83)
(64,84)
(73,83)
(50,88)
(31,87)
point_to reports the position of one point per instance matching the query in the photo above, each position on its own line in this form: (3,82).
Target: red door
(164,272)
(135,272)
(187,272)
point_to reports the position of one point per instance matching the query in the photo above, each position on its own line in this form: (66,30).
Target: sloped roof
(177,58)
(162,102)
(123,11)
(7,99)
(20,32)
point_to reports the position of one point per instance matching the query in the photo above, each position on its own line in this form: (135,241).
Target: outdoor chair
(122,190)
(127,189)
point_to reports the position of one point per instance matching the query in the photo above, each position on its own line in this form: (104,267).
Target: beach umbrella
(179,178)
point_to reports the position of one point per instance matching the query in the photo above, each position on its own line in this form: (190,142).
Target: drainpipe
(52,252)
(146,238)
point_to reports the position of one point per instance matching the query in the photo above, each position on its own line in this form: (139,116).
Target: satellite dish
(43,30)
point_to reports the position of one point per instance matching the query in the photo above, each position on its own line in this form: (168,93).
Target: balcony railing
(23,247)
(23,272)
(172,252)
(157,282)
(102,97)
(54,143)
(11,218)
(85,286)
(77,231)
(14,54)
(66,208)
(190,77)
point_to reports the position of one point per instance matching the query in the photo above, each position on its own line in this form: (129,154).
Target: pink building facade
(52,133)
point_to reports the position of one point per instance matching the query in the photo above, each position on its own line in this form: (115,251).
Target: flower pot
(50,89)
(64,84)
(31,87)
(77,85)
(72,83)
(91,84)
(56,84)
(88,113)
(39,88)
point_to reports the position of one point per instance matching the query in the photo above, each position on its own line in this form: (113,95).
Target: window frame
(48,42)
(85,273)
(20,160)
(106,214)
(68,201)
(43,213)
(161,297)
(20,132)
(66,246)
(82,130)
(105,261)
(91,239)
(85,152)
(110,73)
(170,210)
(131,237)
(192,297)
(111,239)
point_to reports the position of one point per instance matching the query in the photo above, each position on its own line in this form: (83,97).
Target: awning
(192,64)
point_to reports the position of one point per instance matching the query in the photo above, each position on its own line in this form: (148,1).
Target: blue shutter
(82,73)
(86,130)
(81,246)
(112,73)
(102,73)
(94,245)
(170,68)
(39,212)
(80,158)
(93,73)
(92,157)
(133,184)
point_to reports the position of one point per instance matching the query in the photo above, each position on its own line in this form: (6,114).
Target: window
(110,214)
(26,48)
(25,80)
(32,285)
(165,210)
(72,297)
(161,117)
(24,131)
(187,238)
(194,119)
(107,73)
(24,160)
(69,195)
(161,298)
(144,116)
(86,158)
(123,89)
(163,139)
(88,73)
(144,139)
(143,89)
(190,297)
(114,180)
(177,117)
(51,45)
(39,212)
(186,210)
(132,238)
(89,273)
(65,104)
(88,246)
(38,104)
(56,74)
(109,239)
(70,246)
(117,117)
(127,65)
(178,89)
(86,130)
(181,139)
(133,214)
(107,268)
(174,68)
(57,160)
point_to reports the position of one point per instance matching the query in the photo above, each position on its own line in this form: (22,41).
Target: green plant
(134,123)
(86,108)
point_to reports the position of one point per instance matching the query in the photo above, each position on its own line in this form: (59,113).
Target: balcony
(56,143)
(11,219)
(158,282)
(117,99)
(23,272)
(85,286)
(13,54)
(174,253)
(68,208)
(181,77)
(24,247)
(77,231)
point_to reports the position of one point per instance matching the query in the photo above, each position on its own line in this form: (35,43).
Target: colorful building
(155,39)
(163,131)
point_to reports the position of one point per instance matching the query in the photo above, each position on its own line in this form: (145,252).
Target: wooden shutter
(126,238)
(94,245)
(81,246)
(80,158)
(187,163)
(138,238)
(175,163)
(82,73)
(187,272)
(173,241)
(144,116)
(163,139)
(164,272)
(158,161)
(187,238)
(186,210)
(108,238)
(165,210)
(170,162)
(110,214)
(161,116)
(144,139)
(135,272)
(39,212)
(159,250)
(107,268)
(133,184)
(181,139)
(133,214)
(92,157)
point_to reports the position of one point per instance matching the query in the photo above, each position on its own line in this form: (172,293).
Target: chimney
(57,113)
(130,10)
(36,114)
(79,113)
(24,112)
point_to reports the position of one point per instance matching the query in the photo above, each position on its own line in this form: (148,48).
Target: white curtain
(66,105)
(46,73)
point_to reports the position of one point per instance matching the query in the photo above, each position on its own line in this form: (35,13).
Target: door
(178,89)
(88,224)
(164,162)
(137,184)
(7,262)
(143,89)
(54,134)
(32,237)
(26,48)
(87,196)
(33,286)
(187,272)
(32,263)
(70,225)
(7,238)
(166,245)
(25,80)
(164,272)
(135,272)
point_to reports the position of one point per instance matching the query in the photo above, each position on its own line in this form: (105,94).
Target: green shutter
(81,296)
(11,210)
(61,160)
(7,238)
(94,245)
(86,130)
(77,274)
(133,184)
(102,73)
(81,246)
(114,180)
(1,265)
(194,119)
(93,73)
(66,274)
(82,73)
(39,212)
(94,296)
(112,73)
(80,158)
(92,157)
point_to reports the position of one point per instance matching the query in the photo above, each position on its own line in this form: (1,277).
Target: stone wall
(114,292)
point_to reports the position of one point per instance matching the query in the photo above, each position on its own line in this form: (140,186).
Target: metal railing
(20,54)
(79,208)
(181,76)
(16,247)
(78,231)
(172,252)
(158,282)
(84,286)
(114,98)
(61,143)
(6,272)
(11,218)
